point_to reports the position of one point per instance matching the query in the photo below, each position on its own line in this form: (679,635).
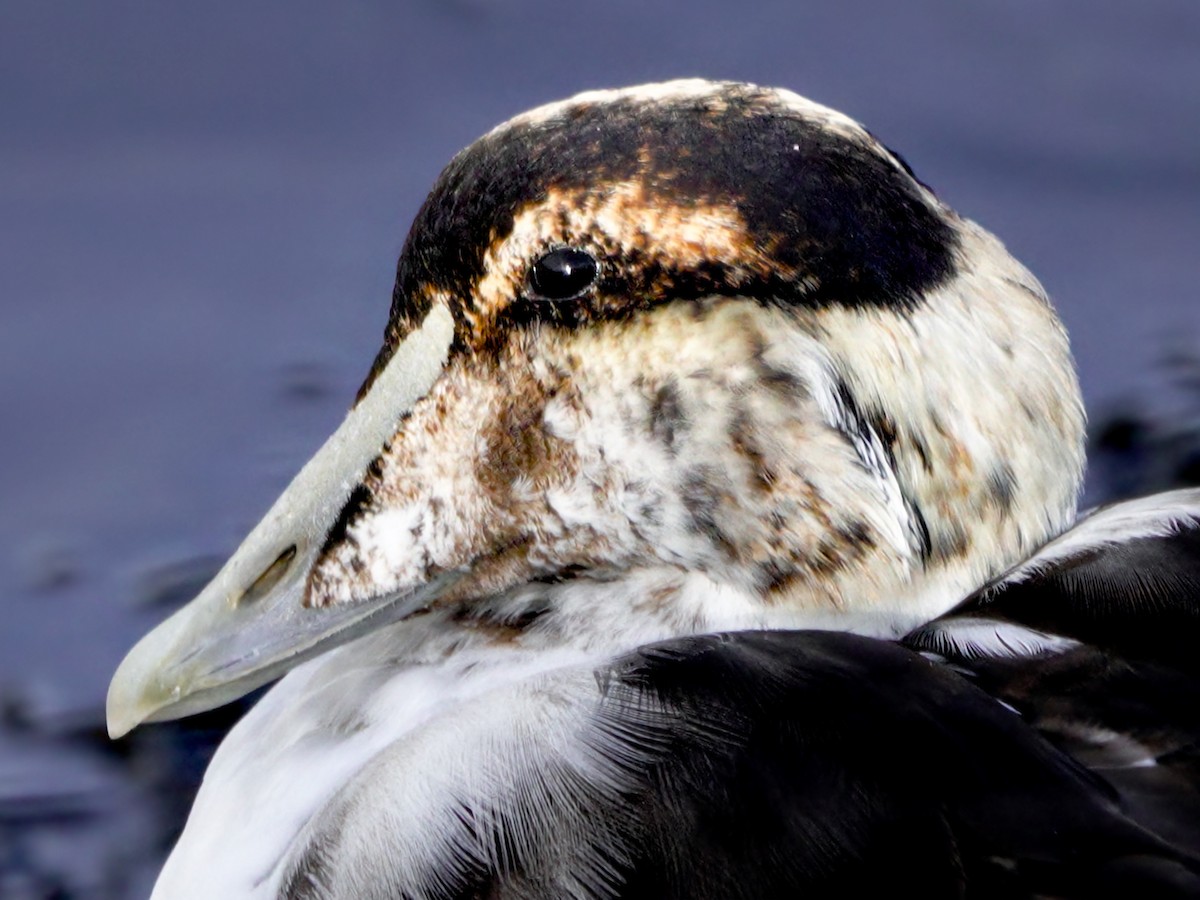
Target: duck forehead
(703,172)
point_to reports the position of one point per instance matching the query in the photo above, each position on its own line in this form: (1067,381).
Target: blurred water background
(200,210)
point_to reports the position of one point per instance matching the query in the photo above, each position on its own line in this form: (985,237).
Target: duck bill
(250,624)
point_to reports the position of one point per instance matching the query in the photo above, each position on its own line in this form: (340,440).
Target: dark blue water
(200,209)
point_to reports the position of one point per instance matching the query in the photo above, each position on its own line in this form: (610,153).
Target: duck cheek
(465,487)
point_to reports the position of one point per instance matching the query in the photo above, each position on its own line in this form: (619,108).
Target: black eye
(562,274)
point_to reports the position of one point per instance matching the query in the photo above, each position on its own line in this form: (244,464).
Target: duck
(706,526)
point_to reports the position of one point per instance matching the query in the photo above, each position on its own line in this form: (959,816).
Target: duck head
(679,358)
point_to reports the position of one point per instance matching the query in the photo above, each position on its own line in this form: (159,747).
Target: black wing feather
(831,765)
(818,764)
(1122,695)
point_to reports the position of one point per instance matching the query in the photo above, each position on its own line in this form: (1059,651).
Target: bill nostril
(270,577)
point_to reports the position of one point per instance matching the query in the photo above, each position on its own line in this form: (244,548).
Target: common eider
(705,527)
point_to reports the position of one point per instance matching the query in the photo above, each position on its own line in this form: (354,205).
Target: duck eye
(562,274)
